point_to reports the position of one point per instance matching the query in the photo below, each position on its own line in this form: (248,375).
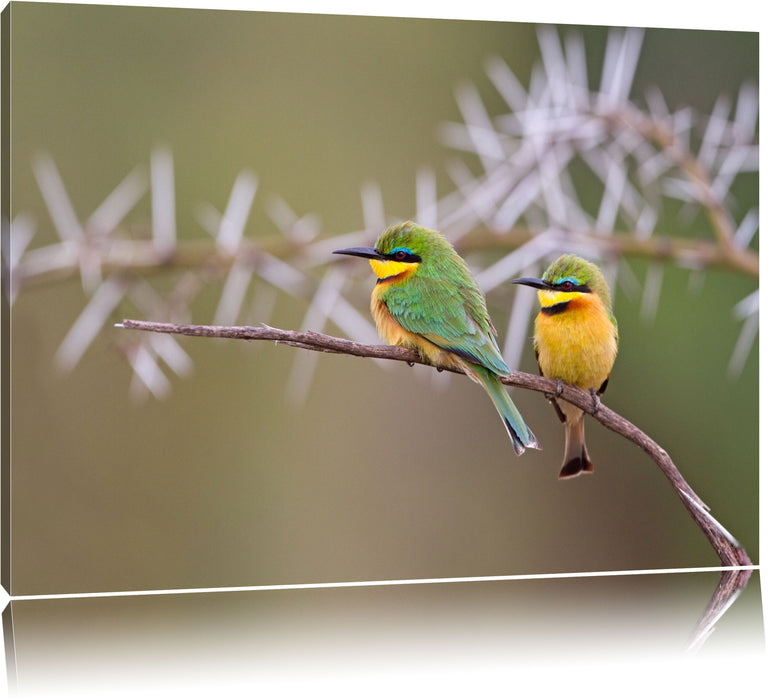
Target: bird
(575,341)
(426,299)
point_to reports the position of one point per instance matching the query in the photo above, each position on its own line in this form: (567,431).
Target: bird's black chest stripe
(555,308)
(381,280)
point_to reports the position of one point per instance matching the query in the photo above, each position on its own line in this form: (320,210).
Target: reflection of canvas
(214,477)
(445,635)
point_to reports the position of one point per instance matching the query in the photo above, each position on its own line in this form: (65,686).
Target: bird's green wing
(452,315)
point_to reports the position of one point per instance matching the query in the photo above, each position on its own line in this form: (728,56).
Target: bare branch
(730,553)
(731,584)
(140,258)
(661,134)
(688,252)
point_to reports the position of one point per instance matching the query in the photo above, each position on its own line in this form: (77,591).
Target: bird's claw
(558,391)
(596,402)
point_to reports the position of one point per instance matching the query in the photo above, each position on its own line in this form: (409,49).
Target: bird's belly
(578,349)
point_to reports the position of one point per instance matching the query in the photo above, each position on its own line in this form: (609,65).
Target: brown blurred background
(380,474)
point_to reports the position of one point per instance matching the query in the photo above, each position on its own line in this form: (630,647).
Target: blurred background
(379,472)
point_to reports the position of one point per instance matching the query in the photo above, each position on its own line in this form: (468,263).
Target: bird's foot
(596,402)
(558,391)
(410,363)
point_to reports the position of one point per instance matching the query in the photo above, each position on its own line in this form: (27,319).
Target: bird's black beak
(532,282)
(362,252)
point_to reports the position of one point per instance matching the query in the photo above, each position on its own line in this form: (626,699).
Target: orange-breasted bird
(426,299)
(575,340)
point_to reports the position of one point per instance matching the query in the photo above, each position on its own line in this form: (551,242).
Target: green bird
(426,299)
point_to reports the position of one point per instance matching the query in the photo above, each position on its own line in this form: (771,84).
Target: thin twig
(730,553)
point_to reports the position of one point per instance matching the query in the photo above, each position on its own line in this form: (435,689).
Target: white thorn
(163,199)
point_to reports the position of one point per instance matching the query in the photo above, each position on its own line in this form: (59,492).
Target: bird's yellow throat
(386,269)
(548,297)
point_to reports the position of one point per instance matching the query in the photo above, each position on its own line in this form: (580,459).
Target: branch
(730,553)
(692,252)
(143,257)
(730,585)
(663,136)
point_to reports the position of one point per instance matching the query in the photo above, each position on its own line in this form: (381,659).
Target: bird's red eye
(567,285)
(400,255)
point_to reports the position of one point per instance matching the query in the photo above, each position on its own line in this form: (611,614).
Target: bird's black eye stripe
(568,286)
(404,256)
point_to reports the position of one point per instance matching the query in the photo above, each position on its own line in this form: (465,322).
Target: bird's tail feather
(519,433)
(576,460)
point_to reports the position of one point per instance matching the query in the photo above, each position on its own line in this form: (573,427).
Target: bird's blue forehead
(398,248)
(561,280)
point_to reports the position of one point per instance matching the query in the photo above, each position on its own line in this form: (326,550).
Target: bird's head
(400,250)
(568,278)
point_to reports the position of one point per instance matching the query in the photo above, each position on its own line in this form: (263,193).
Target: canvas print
(297,300)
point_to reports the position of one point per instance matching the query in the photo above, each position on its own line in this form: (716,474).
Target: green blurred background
(380,474)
